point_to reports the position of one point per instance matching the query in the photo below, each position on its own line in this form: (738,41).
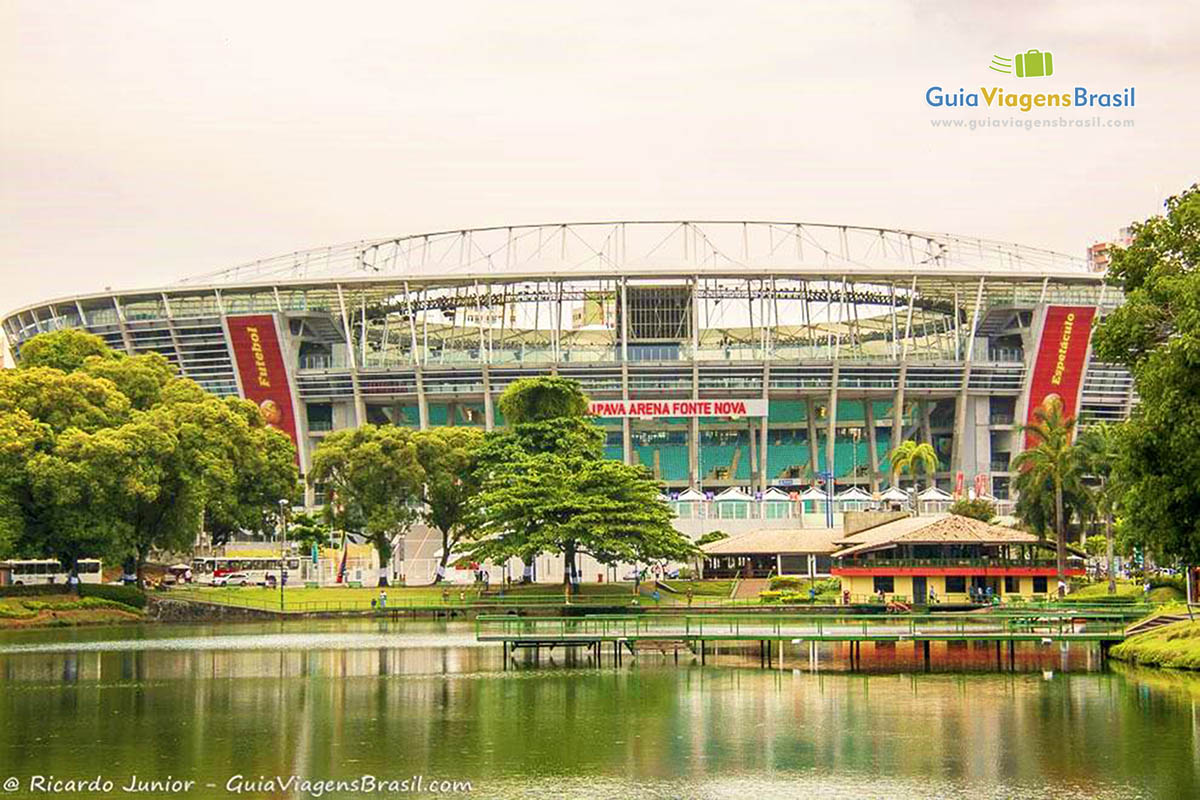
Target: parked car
(232,579)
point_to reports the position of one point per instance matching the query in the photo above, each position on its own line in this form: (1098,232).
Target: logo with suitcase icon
(1030,64)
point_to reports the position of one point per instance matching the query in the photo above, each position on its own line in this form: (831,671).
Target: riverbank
(1174,646)
(63,611)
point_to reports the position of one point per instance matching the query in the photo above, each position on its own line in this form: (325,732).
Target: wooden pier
(629,633)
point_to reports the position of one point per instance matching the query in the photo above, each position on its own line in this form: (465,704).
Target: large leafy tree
(546,487)
(374,479)
(1156,334)
(21,438)
(449,456)
(123,458)
(1051,461)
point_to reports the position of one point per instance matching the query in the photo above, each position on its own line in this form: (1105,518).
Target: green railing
(1040,563)
(237,598)
(1076,625)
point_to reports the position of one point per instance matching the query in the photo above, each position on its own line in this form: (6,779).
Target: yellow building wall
(862,588)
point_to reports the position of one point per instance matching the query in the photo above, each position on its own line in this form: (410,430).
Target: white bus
(32,571)
(259,570)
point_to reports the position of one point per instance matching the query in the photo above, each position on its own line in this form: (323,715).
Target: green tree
(141,378)
(64,350)
(1099,449)
(21,438)
(1156,334)
(63,400)
(1051,461)
(449,457)
(546,487)
(307,530)
(374,479)
(130,485)
(543,398)
(710,537)
(115,474)
(911,457)
(979,508)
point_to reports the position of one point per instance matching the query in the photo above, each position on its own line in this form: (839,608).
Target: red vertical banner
(258,357)
(958,483)
(1061,359)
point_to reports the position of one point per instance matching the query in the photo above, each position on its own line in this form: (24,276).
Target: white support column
(694,422)
(810,415)
(360,409)
(869,418)
(485,358)
(626,428)
(176,342)
(126,339)
(958,442)
(422,404)
(831,429)
(898,408)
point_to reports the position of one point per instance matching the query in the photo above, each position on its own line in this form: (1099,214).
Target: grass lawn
(61,610)
(1126,589)
(713,588)
(347,598)
(1176,645)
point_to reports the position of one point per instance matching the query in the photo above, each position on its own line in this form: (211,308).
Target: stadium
(729,357)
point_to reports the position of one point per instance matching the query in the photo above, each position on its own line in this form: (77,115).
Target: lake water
(334,700)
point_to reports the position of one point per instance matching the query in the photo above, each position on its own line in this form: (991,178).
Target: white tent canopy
(894,493)
(776,494)
(853,493)
(690,495)
(813,493)
(934,493)
(734,493)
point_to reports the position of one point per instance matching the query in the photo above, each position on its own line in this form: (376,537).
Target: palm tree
(1051,461)
(1098,451)
(913,457)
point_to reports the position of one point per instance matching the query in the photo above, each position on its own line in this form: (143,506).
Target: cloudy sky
(144,141)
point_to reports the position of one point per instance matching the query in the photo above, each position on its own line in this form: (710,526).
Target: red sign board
(259,360)
(755,407)
(1061,358)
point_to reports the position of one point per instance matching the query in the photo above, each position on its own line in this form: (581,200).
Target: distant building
(1099,255)
(953,557)
(598,310)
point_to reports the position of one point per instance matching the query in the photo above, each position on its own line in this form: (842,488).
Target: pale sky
(141,142)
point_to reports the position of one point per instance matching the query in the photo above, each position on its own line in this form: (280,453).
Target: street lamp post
(828,478)
(283,506)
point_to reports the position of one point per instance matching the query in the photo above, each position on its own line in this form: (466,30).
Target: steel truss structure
(855,337)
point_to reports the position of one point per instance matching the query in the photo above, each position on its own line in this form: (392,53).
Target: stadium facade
(719,354)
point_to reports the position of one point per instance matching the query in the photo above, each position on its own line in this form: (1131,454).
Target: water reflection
(427,703)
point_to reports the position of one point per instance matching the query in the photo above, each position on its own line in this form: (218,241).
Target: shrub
(1173,581)
(710,537)
(770,596)
(127,595)
(979,508)
(782,582)
(32,590)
